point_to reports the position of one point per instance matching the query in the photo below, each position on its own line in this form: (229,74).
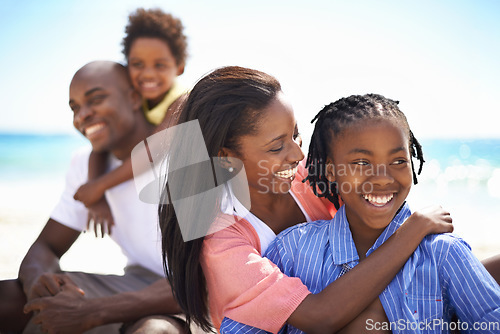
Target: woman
(248,125)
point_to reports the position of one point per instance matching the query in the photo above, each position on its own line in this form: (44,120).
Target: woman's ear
(224,157)
(330,170)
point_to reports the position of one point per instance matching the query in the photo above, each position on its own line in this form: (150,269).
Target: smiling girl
(365,146)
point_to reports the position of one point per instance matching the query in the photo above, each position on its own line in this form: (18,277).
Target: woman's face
(272,155)
(152,68)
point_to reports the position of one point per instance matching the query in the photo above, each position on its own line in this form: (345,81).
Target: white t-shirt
(136,228)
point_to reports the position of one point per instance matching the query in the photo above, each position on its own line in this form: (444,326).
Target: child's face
(271,156)
(372,168)
(152,68)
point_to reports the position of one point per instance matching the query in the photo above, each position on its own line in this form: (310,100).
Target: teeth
(378,200)
(286,174)
(149,85)
(93,128)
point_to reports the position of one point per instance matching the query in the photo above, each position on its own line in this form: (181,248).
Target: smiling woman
(243,114)
(271,158)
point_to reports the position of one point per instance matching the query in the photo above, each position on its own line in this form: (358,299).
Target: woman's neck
(278,211)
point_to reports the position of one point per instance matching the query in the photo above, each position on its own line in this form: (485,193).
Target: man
(107,111)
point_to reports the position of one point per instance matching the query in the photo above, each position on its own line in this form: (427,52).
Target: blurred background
(439,59)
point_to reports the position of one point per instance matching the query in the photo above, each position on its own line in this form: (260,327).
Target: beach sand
(19,230)
(21,221)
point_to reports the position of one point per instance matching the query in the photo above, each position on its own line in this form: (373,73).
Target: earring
(230,169)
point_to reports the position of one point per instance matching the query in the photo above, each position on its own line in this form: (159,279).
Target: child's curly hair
(157,24)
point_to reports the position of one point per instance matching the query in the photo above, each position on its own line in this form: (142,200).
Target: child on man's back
(361,150)
(155,48)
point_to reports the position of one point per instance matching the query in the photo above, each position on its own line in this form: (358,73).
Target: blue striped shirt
(440,279)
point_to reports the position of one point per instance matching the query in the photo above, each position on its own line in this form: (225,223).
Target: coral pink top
(244,286)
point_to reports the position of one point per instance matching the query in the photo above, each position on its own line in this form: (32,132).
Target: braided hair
(330,122)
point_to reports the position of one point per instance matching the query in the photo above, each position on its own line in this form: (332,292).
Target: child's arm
(492,264)
(94,189)
(90,193)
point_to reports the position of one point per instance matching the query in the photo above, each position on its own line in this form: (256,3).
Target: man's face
(102,107)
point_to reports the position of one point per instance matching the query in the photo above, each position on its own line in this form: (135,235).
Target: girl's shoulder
(301,234)
(443,242)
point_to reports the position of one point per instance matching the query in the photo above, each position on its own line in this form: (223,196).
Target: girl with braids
(155,49)
(243,114)
(362,148)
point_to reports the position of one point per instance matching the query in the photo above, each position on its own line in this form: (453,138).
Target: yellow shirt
(157,114)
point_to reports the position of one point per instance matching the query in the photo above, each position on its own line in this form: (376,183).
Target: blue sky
(439,58)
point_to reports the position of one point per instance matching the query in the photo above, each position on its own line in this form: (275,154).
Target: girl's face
(152,68)
(372,168)
(272,155)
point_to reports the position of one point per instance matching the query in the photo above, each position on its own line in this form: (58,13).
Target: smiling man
(107,112)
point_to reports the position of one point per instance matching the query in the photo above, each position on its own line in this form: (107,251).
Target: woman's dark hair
(228,104)
(155,23)
(330,122)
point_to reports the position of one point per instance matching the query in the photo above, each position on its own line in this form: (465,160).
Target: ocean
(36,156)
(42,156)
(462,175)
